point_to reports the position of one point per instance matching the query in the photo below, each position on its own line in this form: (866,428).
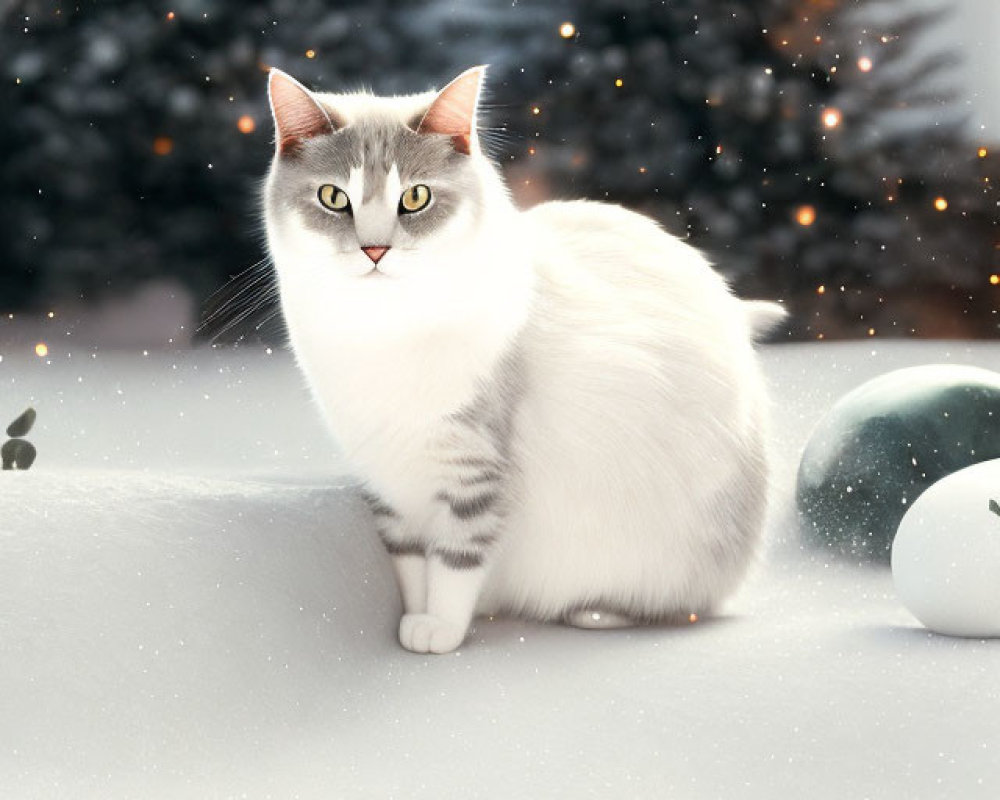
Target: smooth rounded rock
(884,443)
(17,454)
(946,554)
(22,425)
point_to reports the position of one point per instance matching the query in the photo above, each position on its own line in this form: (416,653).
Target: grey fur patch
(474,461)
(492,408)
(402,547)
(377,505)
(469,507)
(459,559)
(486,476)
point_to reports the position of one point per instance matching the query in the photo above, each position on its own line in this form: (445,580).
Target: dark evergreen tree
(799,142)
(135,135)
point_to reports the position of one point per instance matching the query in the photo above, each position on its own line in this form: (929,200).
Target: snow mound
(193,604)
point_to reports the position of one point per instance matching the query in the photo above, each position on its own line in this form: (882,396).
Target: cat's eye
(334,198)
(414,199)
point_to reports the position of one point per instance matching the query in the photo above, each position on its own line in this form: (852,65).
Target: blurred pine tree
(804,144)
(134,135)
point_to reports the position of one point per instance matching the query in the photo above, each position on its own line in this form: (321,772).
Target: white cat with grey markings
(557,413)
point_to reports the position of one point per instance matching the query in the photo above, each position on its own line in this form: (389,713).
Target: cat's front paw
(425,633)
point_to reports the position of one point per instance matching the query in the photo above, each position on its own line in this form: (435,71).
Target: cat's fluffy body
(596,362)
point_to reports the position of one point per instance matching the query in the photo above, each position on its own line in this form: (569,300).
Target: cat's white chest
(387,399)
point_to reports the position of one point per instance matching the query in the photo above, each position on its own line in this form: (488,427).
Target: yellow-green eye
(333,198)
(415,198)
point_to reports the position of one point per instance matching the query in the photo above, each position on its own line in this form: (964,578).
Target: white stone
(946,554)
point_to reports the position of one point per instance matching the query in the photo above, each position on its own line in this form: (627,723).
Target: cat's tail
(762,316)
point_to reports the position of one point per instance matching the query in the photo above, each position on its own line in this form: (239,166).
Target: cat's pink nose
(375,253)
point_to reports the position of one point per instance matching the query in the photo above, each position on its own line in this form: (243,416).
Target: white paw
(424,633)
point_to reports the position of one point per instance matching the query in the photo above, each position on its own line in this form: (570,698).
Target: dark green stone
(17,454)
(884,443)
(22,425)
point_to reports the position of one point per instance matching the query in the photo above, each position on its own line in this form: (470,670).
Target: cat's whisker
(272,315)
(262,264)
(233,306)
(245,309)
(261,296)
(248,278)
(235,302)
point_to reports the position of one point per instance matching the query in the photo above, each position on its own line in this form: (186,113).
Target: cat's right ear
(298,116)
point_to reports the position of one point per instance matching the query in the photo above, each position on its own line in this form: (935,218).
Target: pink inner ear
(297,115)
(453,111)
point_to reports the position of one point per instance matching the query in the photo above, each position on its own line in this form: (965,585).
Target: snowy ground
(192,604)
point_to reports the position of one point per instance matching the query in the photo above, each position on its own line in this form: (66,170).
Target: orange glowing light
(536,110)
(805,215)
(618,82)
(567,30)
(865,64)
(163,145)
(995,279)
(41,349)
(170,15)
(982,152)
(832,117)
(310,53)
(941,204)
(871,331)
(820,289)
(246,124)
(642,170)
(692,617)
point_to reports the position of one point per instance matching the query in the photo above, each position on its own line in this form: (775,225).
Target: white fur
(644,392)
(642,401)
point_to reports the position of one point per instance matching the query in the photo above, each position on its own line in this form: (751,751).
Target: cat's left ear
(298,116)
(453,111)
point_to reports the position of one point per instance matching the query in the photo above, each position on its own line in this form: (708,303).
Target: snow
(193,604)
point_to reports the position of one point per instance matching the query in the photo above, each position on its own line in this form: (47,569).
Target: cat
(557,413)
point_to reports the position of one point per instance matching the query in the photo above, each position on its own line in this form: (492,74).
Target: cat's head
(366,188)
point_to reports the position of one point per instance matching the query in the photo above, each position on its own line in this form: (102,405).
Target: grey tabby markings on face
(374,145)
